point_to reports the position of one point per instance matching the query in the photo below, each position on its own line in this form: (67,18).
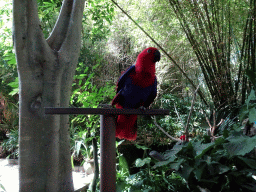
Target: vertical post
(107,154)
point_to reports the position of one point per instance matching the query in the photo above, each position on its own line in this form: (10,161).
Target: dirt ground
(9,177)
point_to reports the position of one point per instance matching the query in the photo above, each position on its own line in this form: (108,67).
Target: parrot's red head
(147,59)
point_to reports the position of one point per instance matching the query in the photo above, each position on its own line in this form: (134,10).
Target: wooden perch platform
(105,111)
(107,136)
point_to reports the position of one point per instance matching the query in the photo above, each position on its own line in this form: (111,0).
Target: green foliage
(222,165)
(87,152)
(11,144)
(8,67)
(81,146)
(9,84)
(48,11)
(240,145)
(227,164)
(110,44)
(123,165)
(141,162)
(150,180)
(249,109)
(15,87)
(10,117)
(123,168)
(99,15)
(87,95)
(89,87)
(2,187)
(251,76)
(173,124)
(141,147)
(8,73)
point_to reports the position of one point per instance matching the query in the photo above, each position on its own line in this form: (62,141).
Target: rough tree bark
(46,69)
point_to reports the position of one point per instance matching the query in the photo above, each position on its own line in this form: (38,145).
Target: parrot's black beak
(157,56)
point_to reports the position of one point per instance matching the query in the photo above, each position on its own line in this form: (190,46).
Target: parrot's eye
(149,51)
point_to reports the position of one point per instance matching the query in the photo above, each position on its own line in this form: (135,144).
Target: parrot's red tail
(126,126)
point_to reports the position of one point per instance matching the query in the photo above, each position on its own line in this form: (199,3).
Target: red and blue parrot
(137,87)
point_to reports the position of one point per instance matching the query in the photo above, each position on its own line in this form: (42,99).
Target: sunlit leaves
(15,87)
(48,11)
(98,17)
(141,162)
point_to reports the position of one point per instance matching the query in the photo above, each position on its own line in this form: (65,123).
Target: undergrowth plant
(10,145)
(148,179)
(222,165)
(89,95)
(86,94)
(227,164)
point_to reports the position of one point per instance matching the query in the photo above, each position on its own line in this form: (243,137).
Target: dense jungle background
(206,78)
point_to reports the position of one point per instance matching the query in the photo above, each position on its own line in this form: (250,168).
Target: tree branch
(158,126)
(178,115)
(71,44)
(190,112)
(26,26)
(59,32)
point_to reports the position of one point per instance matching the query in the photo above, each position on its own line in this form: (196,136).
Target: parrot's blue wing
(124,76)
(152,95)
(121,84)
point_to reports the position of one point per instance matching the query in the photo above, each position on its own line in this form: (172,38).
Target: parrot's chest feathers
(143,79)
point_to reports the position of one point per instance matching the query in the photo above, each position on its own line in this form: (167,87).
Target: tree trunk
(46,69)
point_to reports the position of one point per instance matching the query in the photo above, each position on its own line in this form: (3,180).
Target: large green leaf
(173,151)
(176,165)
(124,165)
(141,162)
(162,163)
(215,168)
(200,170)
(201,149)
(186,171)
(14,91)
(249,162)
(15,86)
(119,143)
(141,147)
(12,61)
(240,145)
(252,115)
(250,97)
(120,186)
